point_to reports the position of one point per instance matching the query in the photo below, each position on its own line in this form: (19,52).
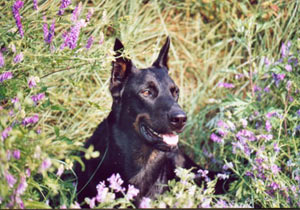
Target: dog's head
(146,100)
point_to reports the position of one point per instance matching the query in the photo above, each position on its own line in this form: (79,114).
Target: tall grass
(212,42)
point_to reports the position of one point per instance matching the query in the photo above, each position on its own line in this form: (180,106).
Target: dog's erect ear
(121,67)
(162,60)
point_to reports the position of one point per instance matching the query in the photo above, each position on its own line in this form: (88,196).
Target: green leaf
(36,205)
(56,130)
(58,108)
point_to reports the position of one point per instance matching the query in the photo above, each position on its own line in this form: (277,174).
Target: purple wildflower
(15,100)
(45,29)
(89,42)
(268,126)
(215,138)
(145,203)
(64,4)
(244,134)
(275,169)
(222,124)
(257,88)
(30,120)
(274,186)
(244,123)
(76,13)
(203,173)
(271,114)
(298,113)
(27,172)
(60,170)
(267,89)
(45,165)
(35,4)
(285,49)
(5,133)
(228,165)
(51,32)
(101,192)
(1,60)
(22,186)
(226,85)
(18,58)
(277,78)
(276,147)
(239,76)
(48,32)
(249,173)
(71,37)
(16,13)
(266,137)
(131,192)
(89,15)
(267,62)
(36,98)
(288,67)
(31,82)
(116,182)
(222,204)
(223,176)
(92,202)
(17,154)
(10,179)
(5,76)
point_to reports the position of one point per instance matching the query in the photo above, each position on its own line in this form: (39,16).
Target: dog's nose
(177,120)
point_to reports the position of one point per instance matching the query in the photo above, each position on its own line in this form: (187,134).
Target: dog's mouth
(162,141)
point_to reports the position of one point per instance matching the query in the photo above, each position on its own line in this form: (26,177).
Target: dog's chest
(152,177)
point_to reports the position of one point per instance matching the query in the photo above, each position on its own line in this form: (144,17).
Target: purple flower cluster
(285,49)
(226,85)
(268,126)
(5,133)
(145,203)
(36,98)
(30,120)
(45,165)
(64,4)
(89,15)
(277,78)
(5,76)
(71,37)
(16,13)
(35,4)
(215,138)
(48,32)
(32,82)
(76,13)
(18,58)
(244,135)
(10,179)
(89,42)
(115,182)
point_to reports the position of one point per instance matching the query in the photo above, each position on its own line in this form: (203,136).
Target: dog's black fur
(143,101)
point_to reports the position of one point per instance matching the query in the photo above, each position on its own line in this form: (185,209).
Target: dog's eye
(146,93)
(175,92)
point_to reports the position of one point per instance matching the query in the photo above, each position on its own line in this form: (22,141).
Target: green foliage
(214,43)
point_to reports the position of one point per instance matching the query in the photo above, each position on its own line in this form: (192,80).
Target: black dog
(139,138)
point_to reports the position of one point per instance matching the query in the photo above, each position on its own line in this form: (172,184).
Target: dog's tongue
(170,139)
